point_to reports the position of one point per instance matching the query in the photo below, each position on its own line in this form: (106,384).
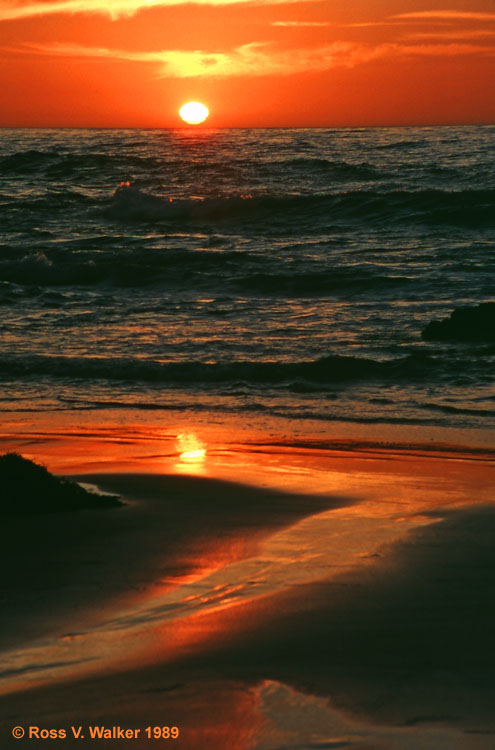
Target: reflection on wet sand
(261,619)
(182,548)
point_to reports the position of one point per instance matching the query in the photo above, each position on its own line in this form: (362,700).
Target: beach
(276,347)
(224,600)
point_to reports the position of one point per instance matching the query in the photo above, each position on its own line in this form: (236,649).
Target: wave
(320,283)
(339,170)
(58,165)
(25,162)
(184,404)
(466,207)
(130,204)
(448,409)
(291,375)
(400,144)
(37,269)
(123,268)
(238,272)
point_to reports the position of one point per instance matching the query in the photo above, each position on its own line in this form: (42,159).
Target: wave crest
(467,207)
(319,372)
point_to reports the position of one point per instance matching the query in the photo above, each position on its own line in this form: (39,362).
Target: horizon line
(203,128)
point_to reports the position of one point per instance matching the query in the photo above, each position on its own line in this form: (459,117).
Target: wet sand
(252,615)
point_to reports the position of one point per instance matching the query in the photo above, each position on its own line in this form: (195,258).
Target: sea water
(257,273)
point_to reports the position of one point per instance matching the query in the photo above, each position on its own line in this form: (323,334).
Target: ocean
(256,274)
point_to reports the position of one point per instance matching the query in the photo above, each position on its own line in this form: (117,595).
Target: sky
(256,63)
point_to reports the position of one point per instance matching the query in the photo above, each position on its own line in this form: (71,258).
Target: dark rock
(465,324)
(27,487)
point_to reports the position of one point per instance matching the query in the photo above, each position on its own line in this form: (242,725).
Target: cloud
(18,9)
(447,15)
(368,24)
(298,24)
(113,8)
(257,58)
(400,19)
(452,49)
(453,34)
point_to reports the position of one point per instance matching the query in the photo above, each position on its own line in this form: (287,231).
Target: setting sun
(194,112)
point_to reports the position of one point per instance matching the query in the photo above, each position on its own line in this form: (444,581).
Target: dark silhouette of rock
(27,487)
(465,324)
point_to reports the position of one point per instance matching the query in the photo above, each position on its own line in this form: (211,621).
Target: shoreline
(105,441)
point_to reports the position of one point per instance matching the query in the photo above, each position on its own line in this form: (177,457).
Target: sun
(194,112)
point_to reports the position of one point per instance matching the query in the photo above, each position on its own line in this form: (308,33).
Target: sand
(290,595)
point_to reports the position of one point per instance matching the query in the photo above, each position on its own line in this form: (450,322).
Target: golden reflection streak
(192,453)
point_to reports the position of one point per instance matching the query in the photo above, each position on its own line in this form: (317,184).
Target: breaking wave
(467,207)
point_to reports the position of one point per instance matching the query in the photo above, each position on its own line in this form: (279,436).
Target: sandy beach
(254,597)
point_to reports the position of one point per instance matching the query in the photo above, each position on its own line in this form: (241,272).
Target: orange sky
(133,63)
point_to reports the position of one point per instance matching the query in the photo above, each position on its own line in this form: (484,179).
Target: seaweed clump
(28,488)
